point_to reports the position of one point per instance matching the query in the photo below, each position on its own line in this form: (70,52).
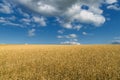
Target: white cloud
(60,31)
(71,39)
(2,20)
(116,40)
(5,7)
(111,1)
(59,20)
(23,13)
(25,20)
(69,36)
(75,40)
(67,25)
(70,10)
(70,43)
(91,16)
(13,18)
(77,27)
(86,16)
(84,33)
(46,8)
(31,32)
(114,7)
(39,20)
(12,24)
(7,21)
(60,37)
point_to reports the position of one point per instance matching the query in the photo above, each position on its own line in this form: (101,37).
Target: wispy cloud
(26,15)
(69,36)
(7,21)
(60,31)
(5,7)
(2,20)
(85,33)
(78,27)
(114,7)
(111,1)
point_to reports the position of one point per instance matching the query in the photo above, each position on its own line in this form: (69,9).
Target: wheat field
(59,62)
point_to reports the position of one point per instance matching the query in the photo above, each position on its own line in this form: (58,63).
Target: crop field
(59,62)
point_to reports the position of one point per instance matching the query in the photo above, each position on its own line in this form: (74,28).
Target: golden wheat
(59,62)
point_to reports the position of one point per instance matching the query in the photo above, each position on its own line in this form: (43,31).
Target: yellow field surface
(59,62)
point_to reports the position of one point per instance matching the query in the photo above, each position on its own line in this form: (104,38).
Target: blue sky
(59,21)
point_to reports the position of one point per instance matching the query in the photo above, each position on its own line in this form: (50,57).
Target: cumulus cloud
(91,16)
(67,25)
(70,10)
(86,16)
(31,32)
(39,20)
